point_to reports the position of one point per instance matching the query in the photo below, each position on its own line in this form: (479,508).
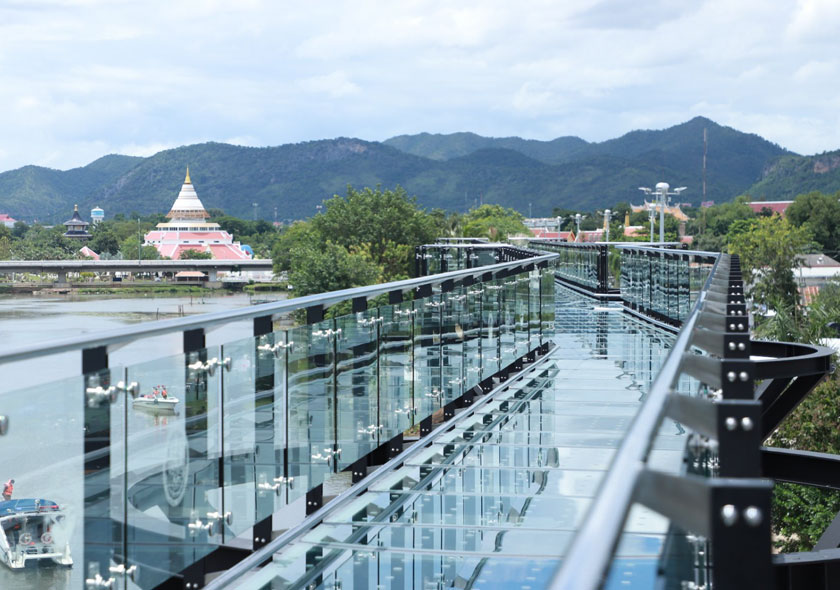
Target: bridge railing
(152,474)
(719,505)
(663,283)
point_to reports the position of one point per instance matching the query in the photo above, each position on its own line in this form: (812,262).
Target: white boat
(158,400)
(33,529)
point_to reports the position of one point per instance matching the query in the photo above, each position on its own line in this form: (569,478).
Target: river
(42,449)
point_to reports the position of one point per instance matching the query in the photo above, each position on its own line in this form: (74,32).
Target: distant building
(707,204)
(76,226)
(774,206)
(189,230)
(6,220)
(88,253)
(97,215)
(674,210)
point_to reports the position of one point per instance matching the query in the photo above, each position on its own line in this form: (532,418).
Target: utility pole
(705,137)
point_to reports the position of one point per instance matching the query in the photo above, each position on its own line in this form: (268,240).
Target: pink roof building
(88,253)
(775,206)
(188,229)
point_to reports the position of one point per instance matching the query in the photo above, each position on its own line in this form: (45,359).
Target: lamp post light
(608,215)
(652,211)
(578,217)
(661,192)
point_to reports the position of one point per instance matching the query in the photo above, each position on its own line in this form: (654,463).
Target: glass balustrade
(136,473)
(663,283)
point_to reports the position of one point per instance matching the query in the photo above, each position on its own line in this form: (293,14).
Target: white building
(187,229)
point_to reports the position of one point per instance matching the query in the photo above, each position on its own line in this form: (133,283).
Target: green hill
(788,176)
(458,172)
(735,160)
(454,145)
(34,192)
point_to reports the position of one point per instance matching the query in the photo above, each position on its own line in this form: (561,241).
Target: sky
(83,78)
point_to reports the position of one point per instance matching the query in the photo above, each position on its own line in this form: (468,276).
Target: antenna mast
(704,162)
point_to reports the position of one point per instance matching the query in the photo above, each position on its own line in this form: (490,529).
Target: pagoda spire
(187,179)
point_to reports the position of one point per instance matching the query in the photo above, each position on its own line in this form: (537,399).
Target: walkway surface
(494,501)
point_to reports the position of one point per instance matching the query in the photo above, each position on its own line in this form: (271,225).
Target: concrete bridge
(62,267)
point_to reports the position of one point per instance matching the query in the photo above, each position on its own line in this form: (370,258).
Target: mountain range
(453,172)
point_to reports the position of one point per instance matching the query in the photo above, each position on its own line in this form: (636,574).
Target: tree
(802,513)
(768,250)
(41,243)
(19,230)
(494,222)
(104,240)
(300,234)
(717,219)
(129,248)
(193,254)
(377,220)
(330,267)
(820,214)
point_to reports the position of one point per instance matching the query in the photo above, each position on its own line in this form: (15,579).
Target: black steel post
(265,459)
(100,540)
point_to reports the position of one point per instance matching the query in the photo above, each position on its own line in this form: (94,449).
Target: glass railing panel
(250,463)
(434,260)
(534,308)
(523,314)
(485,257)
(547,304)
(471,326)
(358,424)
(491,317)
(175,510)
(507,335)
(428,389)
(456,259)
(396,369)
(57,450)
(452,344)
(311,411)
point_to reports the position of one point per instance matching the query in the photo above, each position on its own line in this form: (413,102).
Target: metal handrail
(157,328)
(630,246)
(592,548)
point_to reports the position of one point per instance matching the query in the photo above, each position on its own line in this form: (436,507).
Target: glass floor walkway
(493,500)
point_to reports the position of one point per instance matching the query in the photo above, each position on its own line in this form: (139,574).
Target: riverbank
(139,287)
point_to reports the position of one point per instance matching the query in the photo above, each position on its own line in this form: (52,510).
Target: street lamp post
(652,211)
(578,217)
(607,217)
(662,194)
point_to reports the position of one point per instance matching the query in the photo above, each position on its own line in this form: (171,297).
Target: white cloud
(335,85)
(82,78)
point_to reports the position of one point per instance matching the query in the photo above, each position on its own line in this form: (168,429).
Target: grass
(266,287)
(154,289)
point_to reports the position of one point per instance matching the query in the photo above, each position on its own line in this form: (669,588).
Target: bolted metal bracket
(121,570)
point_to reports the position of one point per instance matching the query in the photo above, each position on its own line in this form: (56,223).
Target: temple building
(188,229)
(76,226)
(673,210)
